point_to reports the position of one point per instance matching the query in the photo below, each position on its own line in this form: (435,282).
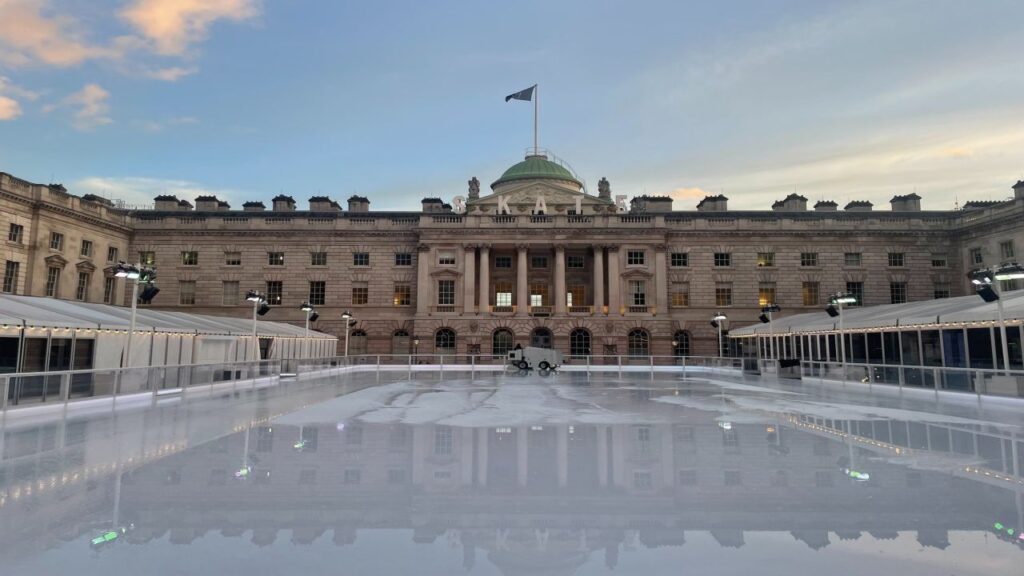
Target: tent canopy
(924,314)
(38,312)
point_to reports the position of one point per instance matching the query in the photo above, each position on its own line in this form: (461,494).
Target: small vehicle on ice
(534,358)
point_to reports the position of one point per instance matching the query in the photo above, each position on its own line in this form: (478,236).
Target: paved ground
(376,474)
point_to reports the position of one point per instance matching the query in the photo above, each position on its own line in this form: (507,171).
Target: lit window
(680,295)
(275,291)
(275,258)
(811,293)
(403,295)
(723,294)
(190,258)
(360,293)
(538,295)
(576,295)
(765,259)
(766,293)
(147,258)
(502,293)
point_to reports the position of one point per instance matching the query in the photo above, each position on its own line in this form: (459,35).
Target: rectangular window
(1006,251)
(275,293)
(317,293)
(765,259)
(446,292)
(360,293)
(503,262)
(851,259)
(634,257)
(723,294)
(446,258)
(109,289)
(896,259)
(808,258)
(190,258)
(52,282)
(275,258)
(318,258)
(186,292)
(1009,285)
(638,293)
(576,295)
(680,295)
(976,257)
(765,293)
(539,262)
(111,254)
(147,258)
(723,259)
(538,295)
(403,295)
(401,259)
(811,293)
(11,276)
(856,289)
(56,241)
(232,258)
(16,233)
(941,290)
(443,441)
(939,262)
(360,258)
(502,293)
(230,295)
(574,261)
(86,248)
(679,260)
(897,292)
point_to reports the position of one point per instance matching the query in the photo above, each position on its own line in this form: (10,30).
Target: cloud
(159,125)
(90,104)
(173,25)
(172,74)
(140,191)
(9,108)
(29,36)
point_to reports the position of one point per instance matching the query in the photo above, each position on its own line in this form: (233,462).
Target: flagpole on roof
(536,104)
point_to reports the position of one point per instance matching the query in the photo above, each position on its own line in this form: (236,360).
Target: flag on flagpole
(522,94)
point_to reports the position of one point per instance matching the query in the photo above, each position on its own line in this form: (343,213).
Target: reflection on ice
(554,478)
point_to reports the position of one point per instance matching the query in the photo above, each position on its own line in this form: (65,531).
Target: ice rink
(373,473)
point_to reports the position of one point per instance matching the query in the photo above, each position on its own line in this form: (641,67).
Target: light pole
(717,323)
(138,274)
(835,308)
(347,317)
(311,315)
(415,345)
(766,316)
(988,291)
(259,307)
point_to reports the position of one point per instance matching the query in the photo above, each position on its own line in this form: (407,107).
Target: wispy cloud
(138,190)
(90,106)
(10,108)
(174,25)
(160,125)
(30,33)
(171,74)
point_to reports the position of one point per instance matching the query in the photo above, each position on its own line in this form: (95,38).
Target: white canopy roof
(963,310)
(34,311)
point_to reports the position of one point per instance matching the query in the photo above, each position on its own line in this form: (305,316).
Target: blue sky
(400,100)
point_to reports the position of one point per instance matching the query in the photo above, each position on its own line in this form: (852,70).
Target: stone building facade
(538,261)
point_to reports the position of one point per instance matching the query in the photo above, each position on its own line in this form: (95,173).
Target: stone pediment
(56,261)
(557,197)
(85,266)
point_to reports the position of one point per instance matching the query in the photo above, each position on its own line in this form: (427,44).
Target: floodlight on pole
(835,308)
(716,321)
(141,275)
(347,317)
(259,307)
(989,292)
(309,310)
(766,317)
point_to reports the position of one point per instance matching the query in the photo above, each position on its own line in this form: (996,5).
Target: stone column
(469,278)
(598,289)
(614,283)
(661,279)
(485,279)
(560,280)
(423,288)
(522,289)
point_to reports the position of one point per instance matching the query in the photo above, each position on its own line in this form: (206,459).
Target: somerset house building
(534,260)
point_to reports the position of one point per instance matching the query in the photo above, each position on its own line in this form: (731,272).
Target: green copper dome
(536,168)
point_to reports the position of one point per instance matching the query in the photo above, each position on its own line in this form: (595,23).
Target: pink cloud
(9,108)
(28,36)
(173,25)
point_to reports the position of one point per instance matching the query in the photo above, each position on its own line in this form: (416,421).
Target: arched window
(400,342)
(638,343)
(579,342)
(357,343)
(681,343)
(444,341)
(502,341)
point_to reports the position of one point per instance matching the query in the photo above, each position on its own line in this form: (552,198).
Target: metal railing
(980,381)
(71,386)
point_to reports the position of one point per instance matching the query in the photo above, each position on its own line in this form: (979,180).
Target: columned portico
(522,288)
